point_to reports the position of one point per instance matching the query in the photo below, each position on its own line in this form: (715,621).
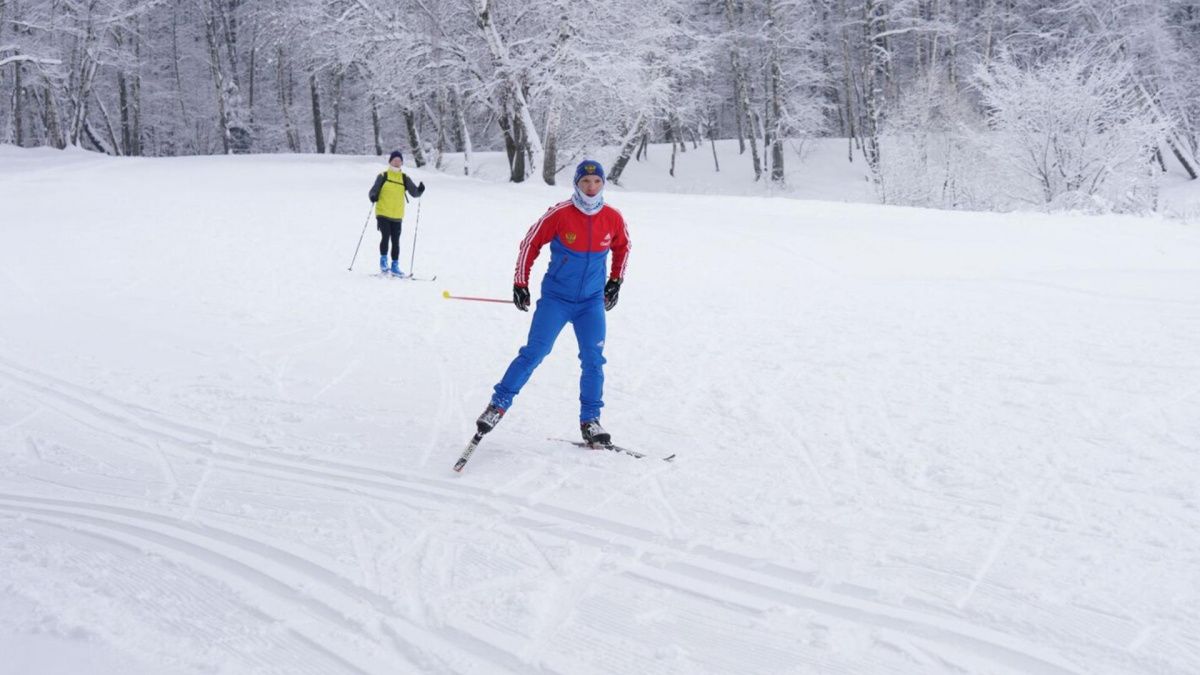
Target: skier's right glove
(521,297)
(611,291)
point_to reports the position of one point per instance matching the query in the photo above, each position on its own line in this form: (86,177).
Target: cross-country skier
(578,288)
(387,194)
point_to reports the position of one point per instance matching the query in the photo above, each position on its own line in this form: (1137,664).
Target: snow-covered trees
(548,80)
(1077,126)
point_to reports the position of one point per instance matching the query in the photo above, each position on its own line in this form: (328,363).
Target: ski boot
(489,419)
(396,271)
(594,434)
(383,264)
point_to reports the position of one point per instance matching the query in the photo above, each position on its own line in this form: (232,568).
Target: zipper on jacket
(587,261)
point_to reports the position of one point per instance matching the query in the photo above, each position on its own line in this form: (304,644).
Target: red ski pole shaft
(446,295)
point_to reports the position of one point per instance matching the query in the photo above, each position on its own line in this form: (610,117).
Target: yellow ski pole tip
(446,294)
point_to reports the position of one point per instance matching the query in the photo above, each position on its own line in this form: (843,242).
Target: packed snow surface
(908,441)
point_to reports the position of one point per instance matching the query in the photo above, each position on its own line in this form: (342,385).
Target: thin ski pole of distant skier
(416,229)
(360,238)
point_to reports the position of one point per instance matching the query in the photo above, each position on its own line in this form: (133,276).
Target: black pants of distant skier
(389,230)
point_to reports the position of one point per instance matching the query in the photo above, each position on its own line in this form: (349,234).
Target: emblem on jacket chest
(570,237)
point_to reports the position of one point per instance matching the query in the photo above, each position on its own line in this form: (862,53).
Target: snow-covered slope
(908,441)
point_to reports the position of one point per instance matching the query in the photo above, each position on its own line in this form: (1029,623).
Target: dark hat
(589,167)
(395,154)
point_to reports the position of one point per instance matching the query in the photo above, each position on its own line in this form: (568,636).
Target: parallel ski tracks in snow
(279,582)
(282,576)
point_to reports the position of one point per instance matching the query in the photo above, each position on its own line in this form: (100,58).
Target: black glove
(421,188)
(521,297)
(611,290)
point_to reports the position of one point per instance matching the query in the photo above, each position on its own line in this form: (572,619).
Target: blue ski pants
(549,318)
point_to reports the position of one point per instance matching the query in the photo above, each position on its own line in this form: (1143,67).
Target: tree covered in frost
(917,88)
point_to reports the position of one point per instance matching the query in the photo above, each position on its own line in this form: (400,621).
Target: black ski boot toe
(489,419)
(594,434)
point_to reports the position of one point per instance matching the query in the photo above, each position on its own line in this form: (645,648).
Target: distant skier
(388,196)
(581,231)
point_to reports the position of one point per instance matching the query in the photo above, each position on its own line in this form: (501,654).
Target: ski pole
(360,238)
(416,229)
(446,295)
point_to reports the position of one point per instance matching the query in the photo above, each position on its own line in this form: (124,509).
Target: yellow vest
(391,196)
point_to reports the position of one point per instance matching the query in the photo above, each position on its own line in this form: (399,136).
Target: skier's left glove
(611,290)
(521,297)
(421,189)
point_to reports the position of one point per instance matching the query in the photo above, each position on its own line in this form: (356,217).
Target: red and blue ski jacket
(579,246)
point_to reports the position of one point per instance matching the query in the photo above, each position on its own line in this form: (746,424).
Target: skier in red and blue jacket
(578,288)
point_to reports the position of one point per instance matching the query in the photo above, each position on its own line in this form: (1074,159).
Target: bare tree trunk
(317,120)
(414,139)
(115,148)
(952,73)
(1155,104)
(464,132)
(517,171)
(510,143)
(14,98)
(252,76)
(553,115)
(550,159)
(774,103)
(756,132)
(184,118)
(220,24)
(214,57)
(123,102)
(674,145)
(82,75)
(738,122)
(742,91)
(338,78)
(225,12)
(772,138)
(712,138)
(18,95)
(50,117)
(848,89)
(872,89)
(438,119)
(376,134)
(284,84)
(523,126)
(135,114)
(1187,166)
(89,134)
(632,138)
